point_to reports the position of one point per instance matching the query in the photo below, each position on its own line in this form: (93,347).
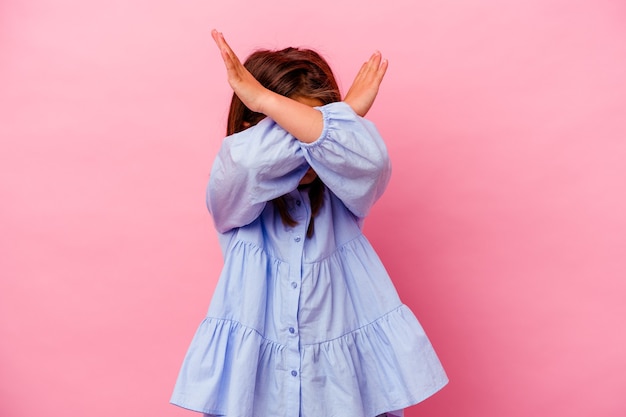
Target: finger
(215,36)
(218,37)
(372,63)
(224,44)
(382,70)
(221,43)
(362,71)
(377,67)
(369,64)
(365,68)
(375,60)
(231,61)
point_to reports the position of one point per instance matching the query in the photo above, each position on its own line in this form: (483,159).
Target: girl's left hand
(365,86)
(247,88)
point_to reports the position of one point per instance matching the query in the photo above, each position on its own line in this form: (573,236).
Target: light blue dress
(303,327)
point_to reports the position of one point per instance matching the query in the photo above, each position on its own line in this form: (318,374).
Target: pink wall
(504,226)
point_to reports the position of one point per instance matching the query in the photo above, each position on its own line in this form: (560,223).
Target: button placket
(300,213)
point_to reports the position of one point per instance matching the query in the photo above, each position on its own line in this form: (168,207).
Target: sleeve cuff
(331,111)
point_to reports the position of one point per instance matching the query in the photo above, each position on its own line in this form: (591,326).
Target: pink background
(504,226)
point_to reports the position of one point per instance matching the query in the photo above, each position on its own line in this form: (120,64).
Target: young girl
(304,321)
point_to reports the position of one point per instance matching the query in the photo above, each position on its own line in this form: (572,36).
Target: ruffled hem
(232,370)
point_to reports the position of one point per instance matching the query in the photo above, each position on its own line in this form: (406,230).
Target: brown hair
(291,72)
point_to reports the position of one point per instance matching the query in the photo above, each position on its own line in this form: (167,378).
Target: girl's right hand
(365,86)
(247,88)
(303,122)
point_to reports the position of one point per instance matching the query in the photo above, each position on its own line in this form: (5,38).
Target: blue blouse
(303,327)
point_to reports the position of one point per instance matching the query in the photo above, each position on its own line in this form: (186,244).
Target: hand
(365,86)
(302,121)
(247,88)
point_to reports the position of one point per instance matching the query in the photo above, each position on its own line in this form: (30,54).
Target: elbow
(232,213)
(221,227)
(215,206)
(381,167)
(222,222)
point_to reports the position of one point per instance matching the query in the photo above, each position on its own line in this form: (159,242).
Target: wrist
(359,110)
(272,104)
(265,102)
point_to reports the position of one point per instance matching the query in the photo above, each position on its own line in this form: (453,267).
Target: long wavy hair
(290,72)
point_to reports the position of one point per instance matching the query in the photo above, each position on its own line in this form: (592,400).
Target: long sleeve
(350,158)
(251,168)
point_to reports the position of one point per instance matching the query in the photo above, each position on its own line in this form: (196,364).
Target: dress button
(298,202)
(294,373)
(292,330)
(297,239)
(294,284)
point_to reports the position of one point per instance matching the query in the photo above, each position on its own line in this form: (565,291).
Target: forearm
(303,122)
(299,119)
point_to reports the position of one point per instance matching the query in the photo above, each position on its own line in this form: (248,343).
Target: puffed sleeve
(350,158)
(252,167)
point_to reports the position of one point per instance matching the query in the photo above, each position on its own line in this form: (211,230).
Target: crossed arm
(303,122)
